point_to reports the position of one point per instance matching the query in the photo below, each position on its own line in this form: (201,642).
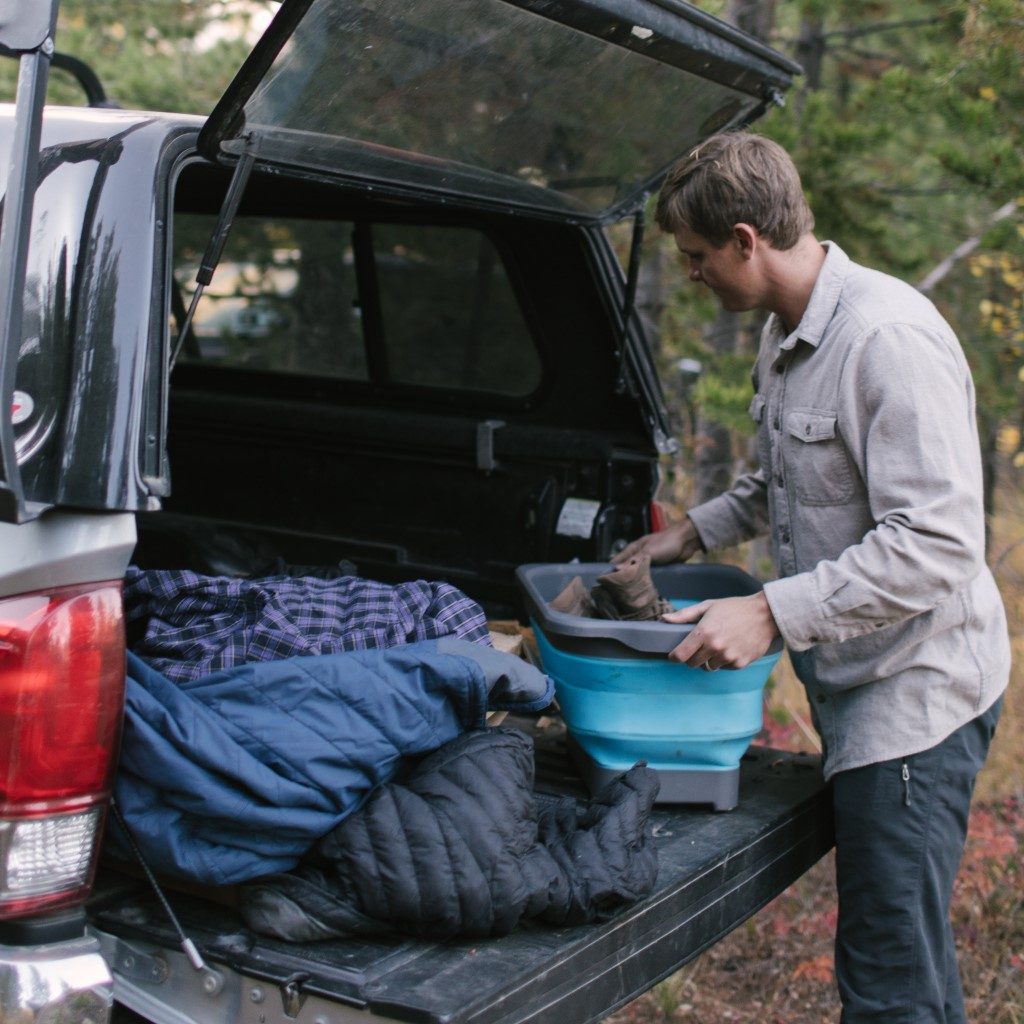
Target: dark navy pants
(900,831)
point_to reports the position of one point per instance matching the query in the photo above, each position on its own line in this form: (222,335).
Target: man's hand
(673,544)
(731,632)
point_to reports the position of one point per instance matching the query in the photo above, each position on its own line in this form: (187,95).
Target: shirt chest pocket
(818,463)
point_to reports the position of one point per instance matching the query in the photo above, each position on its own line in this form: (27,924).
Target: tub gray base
(718,789)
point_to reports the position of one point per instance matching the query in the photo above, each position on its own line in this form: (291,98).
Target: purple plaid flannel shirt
(192,625)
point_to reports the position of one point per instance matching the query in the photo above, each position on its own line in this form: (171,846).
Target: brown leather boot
(628,593)
(574,600)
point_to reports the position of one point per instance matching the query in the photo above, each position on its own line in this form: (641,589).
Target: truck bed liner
(715,870)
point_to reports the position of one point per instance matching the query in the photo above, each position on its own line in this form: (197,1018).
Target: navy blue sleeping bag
(237,774)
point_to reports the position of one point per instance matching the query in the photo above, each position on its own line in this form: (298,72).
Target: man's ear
(748,238)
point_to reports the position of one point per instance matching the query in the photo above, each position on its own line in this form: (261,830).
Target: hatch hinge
(292,996)
(221,230)
(485,460)
(131,963)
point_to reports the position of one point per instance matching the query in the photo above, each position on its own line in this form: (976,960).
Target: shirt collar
(823,301)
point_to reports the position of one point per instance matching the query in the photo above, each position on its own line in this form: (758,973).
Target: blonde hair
(734,178)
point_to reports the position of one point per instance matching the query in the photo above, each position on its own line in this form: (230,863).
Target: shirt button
(777,424)
(778,479)
(785,537)
(779,368)
(813,639)
(879,625)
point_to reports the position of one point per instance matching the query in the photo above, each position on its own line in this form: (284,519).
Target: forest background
(908,129)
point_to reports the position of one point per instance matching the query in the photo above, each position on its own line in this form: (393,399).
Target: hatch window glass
(392,304)
(448,313)
(485,99)
(283,297)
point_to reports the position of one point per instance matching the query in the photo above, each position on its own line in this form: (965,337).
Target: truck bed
(715,870)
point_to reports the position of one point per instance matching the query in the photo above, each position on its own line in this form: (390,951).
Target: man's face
(722,268)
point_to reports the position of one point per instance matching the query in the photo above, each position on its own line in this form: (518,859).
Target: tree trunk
(810,51)
(989,432)
(650,294)
(755,17)
(714,466)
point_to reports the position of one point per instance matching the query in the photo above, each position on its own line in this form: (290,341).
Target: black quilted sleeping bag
(459,848)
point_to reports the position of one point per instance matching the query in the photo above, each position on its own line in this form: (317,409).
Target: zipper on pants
(905,775)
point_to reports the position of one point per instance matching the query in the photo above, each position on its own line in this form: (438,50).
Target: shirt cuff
(797,609)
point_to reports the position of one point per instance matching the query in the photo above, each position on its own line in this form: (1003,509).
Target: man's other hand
(675,543)
(731,632)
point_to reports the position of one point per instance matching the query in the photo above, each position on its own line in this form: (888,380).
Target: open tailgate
(715,870)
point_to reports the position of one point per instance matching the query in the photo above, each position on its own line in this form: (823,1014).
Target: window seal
(371,313)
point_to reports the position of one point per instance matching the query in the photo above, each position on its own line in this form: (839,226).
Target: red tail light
(659,520)
(62,666)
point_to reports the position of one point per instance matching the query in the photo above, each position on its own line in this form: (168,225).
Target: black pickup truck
(411,347)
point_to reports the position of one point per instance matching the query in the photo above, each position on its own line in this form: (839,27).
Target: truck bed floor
(715,870)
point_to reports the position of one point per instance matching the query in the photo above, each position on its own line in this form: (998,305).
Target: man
(870,485)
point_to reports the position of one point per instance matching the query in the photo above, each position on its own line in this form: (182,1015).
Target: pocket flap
(811,426)
(756,409)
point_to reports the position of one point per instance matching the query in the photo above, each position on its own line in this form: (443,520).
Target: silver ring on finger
(707,666)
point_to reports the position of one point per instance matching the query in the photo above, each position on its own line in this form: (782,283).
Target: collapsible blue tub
(623,701)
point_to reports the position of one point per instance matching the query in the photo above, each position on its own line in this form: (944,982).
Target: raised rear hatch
(567,107)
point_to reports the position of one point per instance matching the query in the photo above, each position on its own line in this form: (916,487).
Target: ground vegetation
(907,128)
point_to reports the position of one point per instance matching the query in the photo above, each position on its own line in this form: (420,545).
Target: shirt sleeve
(737,515)
(906,405)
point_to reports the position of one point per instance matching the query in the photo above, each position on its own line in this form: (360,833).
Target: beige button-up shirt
(870,483)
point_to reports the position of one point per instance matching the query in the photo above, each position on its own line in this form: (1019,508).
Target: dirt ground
(777,968)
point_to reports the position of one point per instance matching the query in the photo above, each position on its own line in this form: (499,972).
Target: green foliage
(910,142)
(157,55)
(724,399)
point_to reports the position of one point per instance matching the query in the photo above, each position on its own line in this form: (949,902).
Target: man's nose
(694,273)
